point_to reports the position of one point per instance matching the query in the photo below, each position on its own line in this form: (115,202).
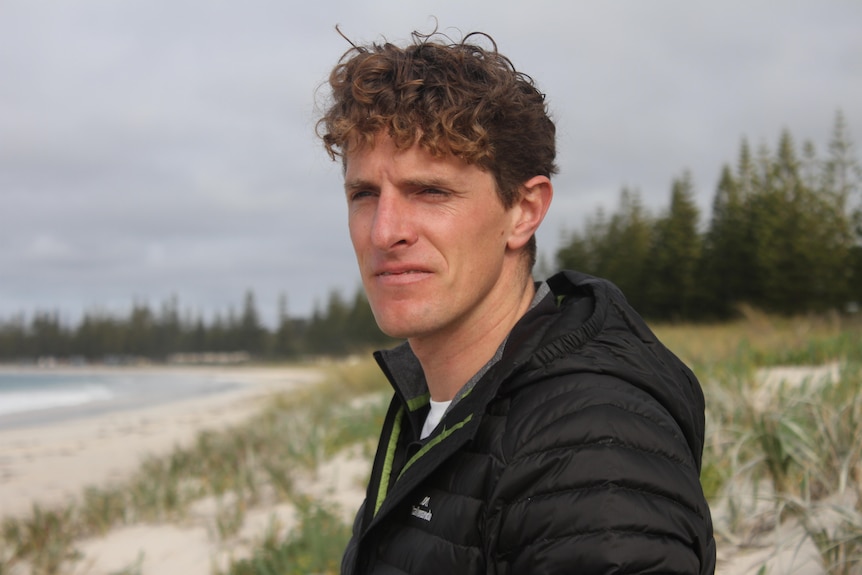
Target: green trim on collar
(434,441)
(383,487)
(419,401)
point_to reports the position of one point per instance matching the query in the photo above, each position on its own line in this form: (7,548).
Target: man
(535,428)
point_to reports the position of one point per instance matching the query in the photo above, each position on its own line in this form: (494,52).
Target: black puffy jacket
(578,452)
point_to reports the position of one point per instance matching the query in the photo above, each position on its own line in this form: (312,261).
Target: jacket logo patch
(423,510)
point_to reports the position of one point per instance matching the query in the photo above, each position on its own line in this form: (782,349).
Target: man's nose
(393,221)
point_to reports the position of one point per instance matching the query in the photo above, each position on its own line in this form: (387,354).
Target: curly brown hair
(449,97)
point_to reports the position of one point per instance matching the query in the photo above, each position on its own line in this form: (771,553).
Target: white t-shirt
(438,408)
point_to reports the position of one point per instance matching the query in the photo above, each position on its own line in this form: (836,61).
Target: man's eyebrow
(429,182)
(424,182)
(358,184)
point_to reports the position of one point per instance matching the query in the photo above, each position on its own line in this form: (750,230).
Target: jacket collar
(404,372)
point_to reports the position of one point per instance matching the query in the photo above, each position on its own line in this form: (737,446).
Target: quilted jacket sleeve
(598,479)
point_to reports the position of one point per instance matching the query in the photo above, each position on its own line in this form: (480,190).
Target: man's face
(430,235)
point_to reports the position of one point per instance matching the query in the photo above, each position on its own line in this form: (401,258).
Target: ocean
(37,396)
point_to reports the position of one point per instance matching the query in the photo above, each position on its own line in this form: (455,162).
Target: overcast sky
(151,148)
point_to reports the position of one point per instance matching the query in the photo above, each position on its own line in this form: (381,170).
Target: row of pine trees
(338,328)
(784,236)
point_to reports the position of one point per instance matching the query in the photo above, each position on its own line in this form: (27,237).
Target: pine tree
(286,340)
(584,251)
(251,333)
(801,237)
(725,265)
(625,248)
(843,174)
(843,179)
(674,256)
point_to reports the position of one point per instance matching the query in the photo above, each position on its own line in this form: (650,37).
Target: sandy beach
(50,464)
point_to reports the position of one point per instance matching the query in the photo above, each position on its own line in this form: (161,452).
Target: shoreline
(180,383)
(50,462)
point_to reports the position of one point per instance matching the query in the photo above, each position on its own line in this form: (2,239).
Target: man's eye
(360,195)
(435,192)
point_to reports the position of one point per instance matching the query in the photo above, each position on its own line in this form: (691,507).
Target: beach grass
(776,454)
(315,546)
(241,467)
(785,455)
(761,340)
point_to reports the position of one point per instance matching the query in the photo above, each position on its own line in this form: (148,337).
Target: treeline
(785,236)
(340,327)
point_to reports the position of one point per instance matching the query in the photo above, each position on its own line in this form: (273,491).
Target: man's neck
(450,361)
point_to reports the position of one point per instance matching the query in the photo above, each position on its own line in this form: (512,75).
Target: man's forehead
(416,155)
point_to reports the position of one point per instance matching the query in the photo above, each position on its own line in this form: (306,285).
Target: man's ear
(529,210)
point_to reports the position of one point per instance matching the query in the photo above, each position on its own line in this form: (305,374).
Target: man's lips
(395,269)
(401,274)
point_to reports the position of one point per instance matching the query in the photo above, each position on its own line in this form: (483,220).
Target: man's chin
(395,323)
(395,330)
